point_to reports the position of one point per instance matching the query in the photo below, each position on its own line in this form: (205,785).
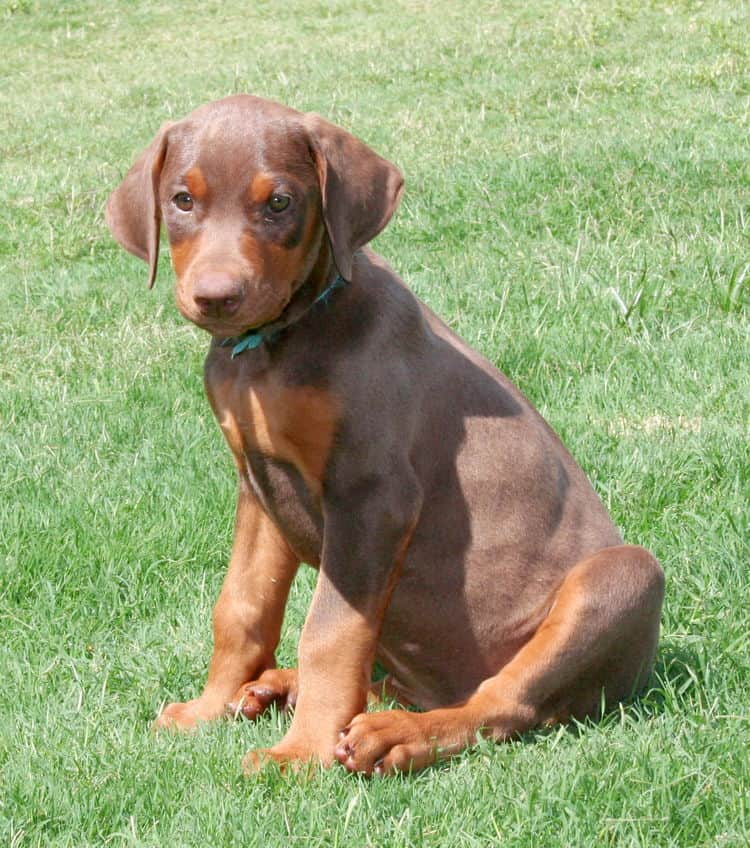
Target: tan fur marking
(260,188)
(196,183)
(281,266)
(294,424)
(183,252)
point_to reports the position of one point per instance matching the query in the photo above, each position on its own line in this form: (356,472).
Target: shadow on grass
(680,670)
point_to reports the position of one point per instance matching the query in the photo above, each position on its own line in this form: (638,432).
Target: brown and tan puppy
(456,540)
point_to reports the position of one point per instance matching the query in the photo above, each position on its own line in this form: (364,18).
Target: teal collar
(269,332)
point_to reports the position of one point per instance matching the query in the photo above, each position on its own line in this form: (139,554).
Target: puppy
(456,540)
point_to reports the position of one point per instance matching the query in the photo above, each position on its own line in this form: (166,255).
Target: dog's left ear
(360,191)
(133,213)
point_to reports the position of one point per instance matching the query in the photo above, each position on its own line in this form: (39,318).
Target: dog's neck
(304,300)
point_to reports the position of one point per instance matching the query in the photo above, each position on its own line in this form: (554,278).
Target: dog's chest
(281,437)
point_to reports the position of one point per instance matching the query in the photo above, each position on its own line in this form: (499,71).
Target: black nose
(217,295)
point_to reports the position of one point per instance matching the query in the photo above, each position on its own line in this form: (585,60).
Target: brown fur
(456,539)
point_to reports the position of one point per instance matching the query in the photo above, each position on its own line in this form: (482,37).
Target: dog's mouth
(234,319)
(268,317)
(221,329)
(270,323)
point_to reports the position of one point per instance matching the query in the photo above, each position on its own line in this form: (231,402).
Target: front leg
(367,530)
(247,616)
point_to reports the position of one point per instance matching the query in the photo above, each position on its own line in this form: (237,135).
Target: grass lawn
(577,207)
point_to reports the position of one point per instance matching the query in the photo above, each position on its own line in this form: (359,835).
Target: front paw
(186,716)
(296,759)
(275,686)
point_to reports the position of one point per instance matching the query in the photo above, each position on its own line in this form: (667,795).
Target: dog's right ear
(133,212)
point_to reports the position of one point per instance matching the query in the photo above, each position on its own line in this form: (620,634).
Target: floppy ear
(133,212)
(359,189)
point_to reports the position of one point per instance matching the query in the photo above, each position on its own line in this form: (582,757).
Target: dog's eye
(184,201)
(278,202)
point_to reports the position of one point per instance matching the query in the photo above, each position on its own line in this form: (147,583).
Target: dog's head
(256,199)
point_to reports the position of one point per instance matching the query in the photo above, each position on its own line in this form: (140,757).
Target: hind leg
(599,636)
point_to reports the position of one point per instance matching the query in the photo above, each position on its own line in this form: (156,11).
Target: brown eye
(278,202)
(183,201)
